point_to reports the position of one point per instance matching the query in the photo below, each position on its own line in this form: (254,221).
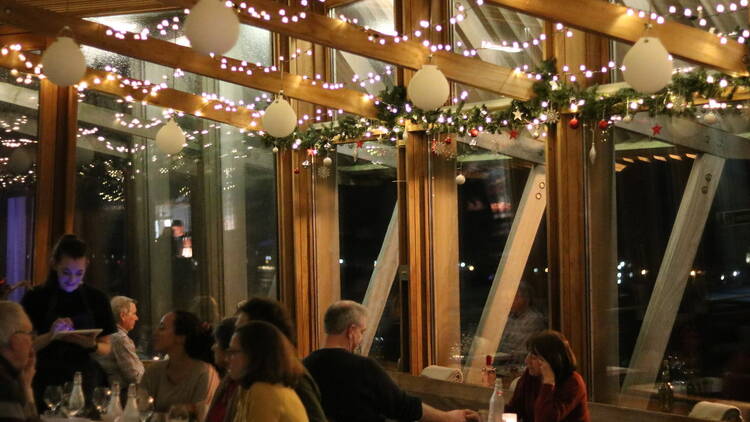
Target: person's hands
(461,415)
(28,371)
(87,341)
(62,324)
(471,415)
(548,375)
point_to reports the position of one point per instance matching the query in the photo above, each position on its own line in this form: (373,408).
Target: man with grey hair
(17,364)
(357,389)
(122,365)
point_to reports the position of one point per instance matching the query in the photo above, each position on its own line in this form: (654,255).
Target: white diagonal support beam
(381,282)
(509,272)
(674,271)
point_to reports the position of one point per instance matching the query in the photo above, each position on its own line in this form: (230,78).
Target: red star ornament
(656,129)
(513,134)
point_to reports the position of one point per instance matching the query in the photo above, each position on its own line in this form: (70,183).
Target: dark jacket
(13,404)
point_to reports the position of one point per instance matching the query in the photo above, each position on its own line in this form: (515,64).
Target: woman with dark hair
(550,390)
(264,363)
(65,303)
(222,406)
(187,376)
(274,313)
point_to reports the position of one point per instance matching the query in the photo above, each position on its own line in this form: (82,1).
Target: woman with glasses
(550,390)
(66,303)
(265,364)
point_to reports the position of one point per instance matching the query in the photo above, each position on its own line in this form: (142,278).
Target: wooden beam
(510,269)
(381,281)
(112,83)
(83,8)
(524,147)
(173,55)
(709,139)
(410,54)
(332,4)
(612,20)
(674,271)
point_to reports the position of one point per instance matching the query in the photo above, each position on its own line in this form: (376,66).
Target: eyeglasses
(31,334)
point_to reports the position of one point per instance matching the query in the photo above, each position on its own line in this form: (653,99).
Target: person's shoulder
(34,295)
(94,293)
(267,391)
(157,367)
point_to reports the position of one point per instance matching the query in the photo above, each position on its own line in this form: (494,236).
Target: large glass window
(19,118)
(704,351)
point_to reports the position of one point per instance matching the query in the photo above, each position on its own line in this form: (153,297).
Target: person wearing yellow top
(266,366)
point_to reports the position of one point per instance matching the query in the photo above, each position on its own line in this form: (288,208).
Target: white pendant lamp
(212,27)
(170,138)
(648,68)
(428,89)
(63,61)
(279,120)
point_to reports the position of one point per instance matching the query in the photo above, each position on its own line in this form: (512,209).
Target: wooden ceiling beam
(111,83)
(334,33)
(611,20)
(172,55)
(83,8)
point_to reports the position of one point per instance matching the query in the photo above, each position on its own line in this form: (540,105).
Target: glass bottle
(131,407)
(497,403)
(665,390)
(76,401)
(114,410)
(489,375)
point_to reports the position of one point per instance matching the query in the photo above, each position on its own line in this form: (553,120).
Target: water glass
(53,397)
(178,413)
(100,399)
(145,404)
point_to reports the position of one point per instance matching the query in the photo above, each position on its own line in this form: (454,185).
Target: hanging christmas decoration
(603,124)
(328,161)
(710,118)
(648,67)
(170,139)
(513,134)
(592,152)
(574,123)
(324,172)
(428,88)
(656,129)
(460,179)
(63,62)
(474,132)
(275,150)
(296,170)
(279,120)
(212,27)
(627,118)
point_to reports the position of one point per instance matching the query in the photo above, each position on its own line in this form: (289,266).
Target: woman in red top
(550,390)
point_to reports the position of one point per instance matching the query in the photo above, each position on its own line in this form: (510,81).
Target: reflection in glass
(19,116)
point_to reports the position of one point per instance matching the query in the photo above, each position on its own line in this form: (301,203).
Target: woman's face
(164,338)
(237,360)
(533,364)
(70,272)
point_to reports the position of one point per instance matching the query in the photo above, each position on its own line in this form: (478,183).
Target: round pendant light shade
(428,89)
(648,68)
(212,27)
(170,139)
(279,120)
(63,62)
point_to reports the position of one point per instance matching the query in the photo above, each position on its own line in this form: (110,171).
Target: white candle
(509,417)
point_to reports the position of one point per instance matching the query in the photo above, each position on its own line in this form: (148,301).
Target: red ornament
(448,140)
(513,134)
(603,124)
(474,132)
(360,143)
(296,170)
(574,123)
(656,129)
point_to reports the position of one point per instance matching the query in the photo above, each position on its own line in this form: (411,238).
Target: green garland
(553,97)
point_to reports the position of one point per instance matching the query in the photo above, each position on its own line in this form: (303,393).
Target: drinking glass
(145,404)
(100,399)
(178,413)
(53,397)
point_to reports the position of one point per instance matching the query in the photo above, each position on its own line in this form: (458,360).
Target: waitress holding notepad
(65,303)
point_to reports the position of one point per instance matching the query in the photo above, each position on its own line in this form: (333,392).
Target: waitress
(65,303)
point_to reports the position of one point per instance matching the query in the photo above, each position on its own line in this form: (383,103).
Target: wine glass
(53,397)
(100,399)
(178,413)
(145,404)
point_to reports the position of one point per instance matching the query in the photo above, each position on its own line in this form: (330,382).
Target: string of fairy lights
(533,116)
